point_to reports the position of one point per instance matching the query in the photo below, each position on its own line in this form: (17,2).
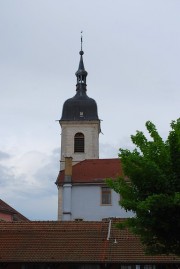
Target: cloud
(6,176)
(4,155)
(108,151)
(28,184)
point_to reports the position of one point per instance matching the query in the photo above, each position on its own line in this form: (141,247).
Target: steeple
(80,128)
(80,107)
(81,73)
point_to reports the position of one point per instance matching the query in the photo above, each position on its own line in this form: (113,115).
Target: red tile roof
(5,208)
(72,242)
(93,171)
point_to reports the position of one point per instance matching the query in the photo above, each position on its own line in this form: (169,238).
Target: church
(95,242)
(82,191)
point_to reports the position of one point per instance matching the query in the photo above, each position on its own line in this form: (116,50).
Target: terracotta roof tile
(72,242)
(93,171)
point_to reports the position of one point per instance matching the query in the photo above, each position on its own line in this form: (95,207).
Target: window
(105,196)
(79,142)
(125,266)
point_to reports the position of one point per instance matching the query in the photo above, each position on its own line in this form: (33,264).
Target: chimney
(68,170)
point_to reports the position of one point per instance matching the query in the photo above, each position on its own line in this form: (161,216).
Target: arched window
(79,142)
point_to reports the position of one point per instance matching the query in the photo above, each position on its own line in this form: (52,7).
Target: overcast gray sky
(132,55)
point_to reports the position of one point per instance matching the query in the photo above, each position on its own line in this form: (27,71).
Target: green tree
(150,188)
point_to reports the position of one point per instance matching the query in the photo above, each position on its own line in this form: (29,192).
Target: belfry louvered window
(79,142)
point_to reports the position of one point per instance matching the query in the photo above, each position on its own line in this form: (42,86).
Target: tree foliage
(151,189)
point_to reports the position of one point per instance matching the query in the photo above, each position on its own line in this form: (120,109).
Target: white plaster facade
(85,203)
(60,202)
(90,130)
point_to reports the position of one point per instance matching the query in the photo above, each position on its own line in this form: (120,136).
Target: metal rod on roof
(109,230)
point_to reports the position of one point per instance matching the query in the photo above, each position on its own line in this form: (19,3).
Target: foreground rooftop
(82,242)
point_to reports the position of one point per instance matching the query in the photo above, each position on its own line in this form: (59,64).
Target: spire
(81,73)
(81,40)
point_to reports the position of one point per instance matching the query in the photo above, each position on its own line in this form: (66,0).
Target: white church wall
(86,204)
(60,202)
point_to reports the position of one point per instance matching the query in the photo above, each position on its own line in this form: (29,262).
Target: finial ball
(81,52)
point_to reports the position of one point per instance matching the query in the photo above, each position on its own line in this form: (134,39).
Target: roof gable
(5,208)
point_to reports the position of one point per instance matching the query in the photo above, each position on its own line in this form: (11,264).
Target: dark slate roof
(80,107)
(80,103)
(81,69)
(82,242)
(93,171)
(5,208)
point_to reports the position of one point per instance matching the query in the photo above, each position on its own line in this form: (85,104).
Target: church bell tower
(80,125)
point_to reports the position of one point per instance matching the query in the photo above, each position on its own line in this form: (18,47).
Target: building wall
(86,204)
(60,198)
(6,217)
(90,129)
